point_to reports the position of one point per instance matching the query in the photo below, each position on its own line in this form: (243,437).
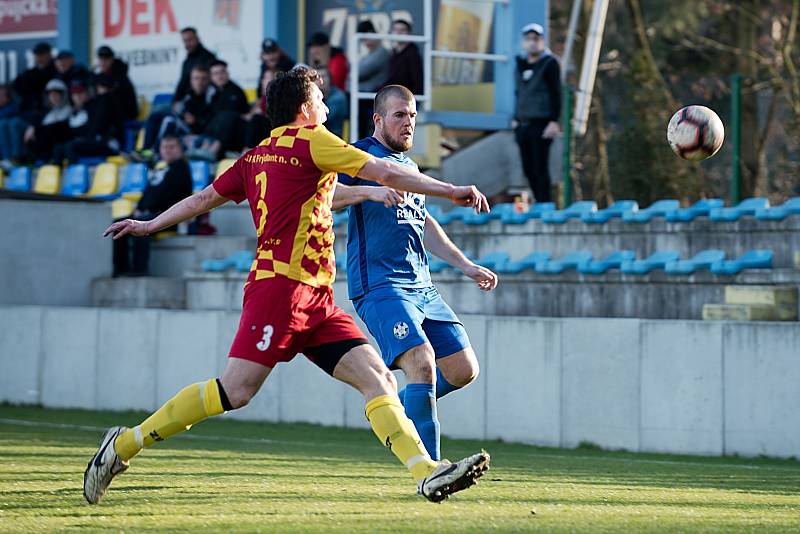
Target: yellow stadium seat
(119,160)
(48,180)
(223,166)
(2,178)
(251,94)
(122,208)
(105,181)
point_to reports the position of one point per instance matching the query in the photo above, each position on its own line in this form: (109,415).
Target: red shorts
(282,317)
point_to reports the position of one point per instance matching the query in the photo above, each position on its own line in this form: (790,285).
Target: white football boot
(448,478)
(103,466)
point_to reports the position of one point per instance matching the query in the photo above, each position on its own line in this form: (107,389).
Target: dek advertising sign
(146,35)
(23,23)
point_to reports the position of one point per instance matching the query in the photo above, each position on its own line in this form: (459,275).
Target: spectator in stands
(95,124)
(274,58)
(8,110)
(168,183)
(258,127)
(373,70)
(51,129)
(124,91)
(196,55)
(538,107)
(68,71)
(336,101)
(322,55)
(405,65)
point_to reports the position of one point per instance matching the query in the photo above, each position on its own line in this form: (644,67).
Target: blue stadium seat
(574,211)
(341,217)
(131,134)
(19,179)
(573,260)
(779,213)
(529,262)
(612,261)
(494,261)
(510,216)
(161,99)
(200,175)
(434,210)
(240,260)
(660,208)
(617,209)
(701,261)
(134,180)
(75,181)
(657,260)
(435,265)
(243,260)
(748,206)
(91,162)
(752,259)
(455,214)
(701,208)
(473,218)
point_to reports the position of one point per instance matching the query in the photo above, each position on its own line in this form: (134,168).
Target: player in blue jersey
(388,277)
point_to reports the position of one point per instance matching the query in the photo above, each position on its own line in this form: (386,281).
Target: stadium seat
(243,260)
(494,261)
(223,166)
(134,181)
(701,208)
(574,211)
(435,265)
(2,177)
(529,262)
(496,212)
(660,208)
(455,214)
(161,100)
(657,260)
(779,213)
(573,260)
(434,210)
(748,206)
(122,208)
(91,162)
(47,180)
(132,129)
(104,184)
(617,209)
(701,261)
(752,259)
(240,260)
(19,179)
(341,217)
(612,261)
(509,215)
(76,180)
(200,175)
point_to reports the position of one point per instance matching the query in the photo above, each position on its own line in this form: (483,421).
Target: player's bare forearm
(404,178)
(347,195)
(438,244)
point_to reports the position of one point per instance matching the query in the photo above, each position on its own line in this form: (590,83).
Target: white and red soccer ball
(695,133)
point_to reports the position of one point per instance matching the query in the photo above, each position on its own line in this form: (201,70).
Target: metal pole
(427,58)
(352,47)
(736,120)
(566,166)
(571,31)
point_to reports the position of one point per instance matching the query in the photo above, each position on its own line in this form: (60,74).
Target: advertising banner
(146,35)
(23,23)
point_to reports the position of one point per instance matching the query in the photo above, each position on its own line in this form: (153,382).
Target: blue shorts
(402,318)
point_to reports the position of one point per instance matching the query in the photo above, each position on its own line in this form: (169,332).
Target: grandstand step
(142,292)
(738,312)
(783,300)
(174,256)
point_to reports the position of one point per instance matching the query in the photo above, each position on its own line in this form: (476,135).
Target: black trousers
(534,150)
(132,253)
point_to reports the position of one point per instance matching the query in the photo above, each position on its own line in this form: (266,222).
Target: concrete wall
(51,250)
(668,386)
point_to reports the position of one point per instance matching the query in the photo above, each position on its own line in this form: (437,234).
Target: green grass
(229,476)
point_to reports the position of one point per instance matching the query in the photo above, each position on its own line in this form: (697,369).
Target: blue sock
(443,387)
(420,405)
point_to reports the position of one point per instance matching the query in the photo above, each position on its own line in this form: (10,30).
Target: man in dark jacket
(321,55)
(168,183)
(29,85)
(405,65)
(69,71)
(124,91)
(196,55)
(274,58)
(538,79)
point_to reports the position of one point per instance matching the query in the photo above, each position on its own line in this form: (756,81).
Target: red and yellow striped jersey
(288,180)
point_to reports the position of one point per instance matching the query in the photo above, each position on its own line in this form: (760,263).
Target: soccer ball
(695,133)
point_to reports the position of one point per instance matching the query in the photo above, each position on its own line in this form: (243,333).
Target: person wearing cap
(274,58)
(68,70)
(124,92)
(321,55)
(405,65)
(196,55)
(537,111)
(373,69)
(40,137)
(29,85)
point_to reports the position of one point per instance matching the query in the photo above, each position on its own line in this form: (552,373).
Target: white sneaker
(449,478)
(103,466)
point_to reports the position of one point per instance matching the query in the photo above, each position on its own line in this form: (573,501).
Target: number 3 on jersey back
(261,181)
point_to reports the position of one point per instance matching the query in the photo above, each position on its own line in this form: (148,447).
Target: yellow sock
(191,405)
(396,431)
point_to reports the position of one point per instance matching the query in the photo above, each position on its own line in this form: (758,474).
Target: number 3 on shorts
(266,339)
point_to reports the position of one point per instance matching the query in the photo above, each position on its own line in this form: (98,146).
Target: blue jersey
(384,245)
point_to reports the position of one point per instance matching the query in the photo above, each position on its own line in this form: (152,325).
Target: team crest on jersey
(400,330)
(412,209)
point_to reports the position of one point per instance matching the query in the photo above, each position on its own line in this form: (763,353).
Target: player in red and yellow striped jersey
(288,303)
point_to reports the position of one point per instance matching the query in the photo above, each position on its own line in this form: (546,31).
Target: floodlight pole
(736,134)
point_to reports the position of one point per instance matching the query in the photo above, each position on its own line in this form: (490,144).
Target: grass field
(229,476)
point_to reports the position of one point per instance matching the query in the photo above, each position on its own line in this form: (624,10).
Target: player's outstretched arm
(406,178)
(347,195)
(186,209)
(437,242)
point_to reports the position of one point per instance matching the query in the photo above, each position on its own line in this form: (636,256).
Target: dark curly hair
(287,92)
